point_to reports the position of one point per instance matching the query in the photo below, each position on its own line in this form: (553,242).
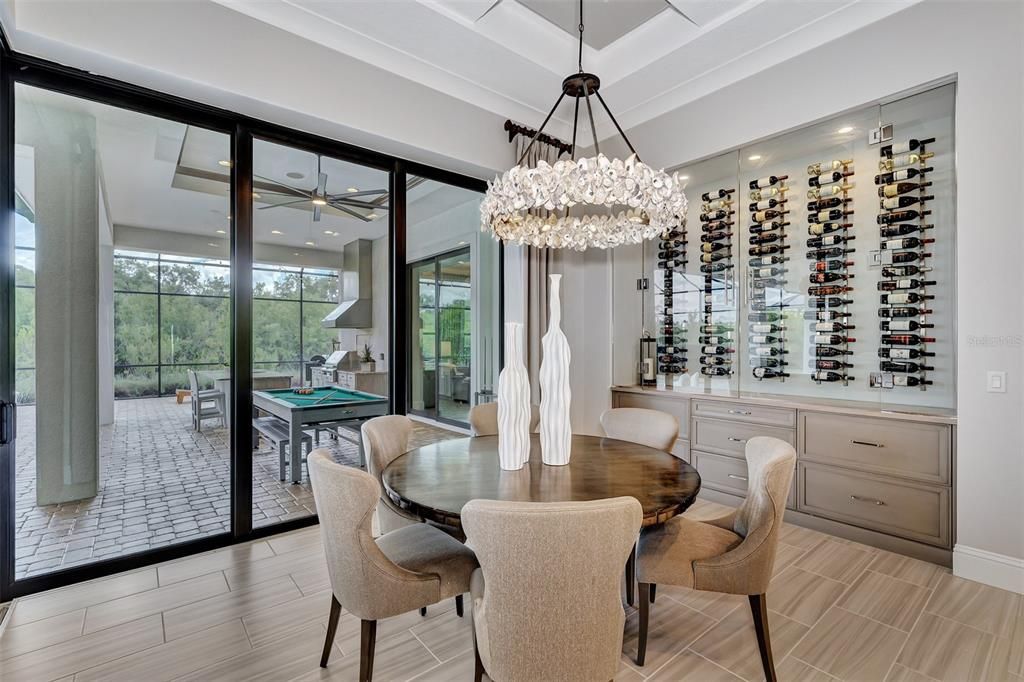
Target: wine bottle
(768,181)
(830,302)
(902,160)
(825,166)
(905,339)
(828,178)
(826,228)
(903,147)
(764,317)
(830,265)
(904,353)
(670,253)
(715,236)
(903,325)
(669,358)
(772,362)
(767,249)
(904,270)
(758,228)
(826,277)
(890,203)
(720,214)
(762,351)
(766,237)
(909,256)
(822,327)
(829,352)
(903,298)
(904,367)
(900,230)
(829,376)
(670,349)
(714,329)
(713,257)
(769,283)
(716,350)
(767,373)
(764,338)
(829,364)
(711,247)
(716,194)
(713,340)
(897,188)
(767,193)
(766,328)
(770,214)
(904,283)
(909,381)
(715,371)
(831,202)
(715,267)
(833,252)
(828,290)
(828,191)
(716,226)
(716,204)
(903,311)
(902,174)
(670,369)
(831,339)
(827,215)
(823,315)
(829,240)
(768,272)
(715,360)
(765,204)
(670,264)
(905,243)
(767,260)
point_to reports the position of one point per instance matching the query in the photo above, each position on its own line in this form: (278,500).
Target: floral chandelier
(572,203)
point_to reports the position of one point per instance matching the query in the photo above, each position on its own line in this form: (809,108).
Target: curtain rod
(518,129)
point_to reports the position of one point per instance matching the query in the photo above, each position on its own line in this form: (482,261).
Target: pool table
(325,406)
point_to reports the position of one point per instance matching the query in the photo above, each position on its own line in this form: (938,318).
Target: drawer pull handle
(867,443)
(737,440)
(737,477)
(872,500)
(745,413)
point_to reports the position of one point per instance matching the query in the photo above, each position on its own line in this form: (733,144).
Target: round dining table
(434,481)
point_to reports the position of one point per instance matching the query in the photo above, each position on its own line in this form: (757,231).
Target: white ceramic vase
(513,403)
(555,394)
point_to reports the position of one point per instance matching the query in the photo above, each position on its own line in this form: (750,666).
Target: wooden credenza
(881,478)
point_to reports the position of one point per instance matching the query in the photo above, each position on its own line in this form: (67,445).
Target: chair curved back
(193,384)
(747,569)
(384,439)
(652,428)
(552,572)
(363,579)
(483,419)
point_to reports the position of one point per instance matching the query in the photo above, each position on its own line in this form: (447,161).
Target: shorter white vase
(513,403)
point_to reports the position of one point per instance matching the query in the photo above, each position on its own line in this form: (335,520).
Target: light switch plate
(996,382)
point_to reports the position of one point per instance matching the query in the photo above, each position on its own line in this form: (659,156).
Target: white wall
(980,43)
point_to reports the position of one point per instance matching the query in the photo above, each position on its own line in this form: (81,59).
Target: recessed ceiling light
(276,232)
(352,189)
(224,162)
(371,216)
(684,177)
(310,243)
(460,243)
(221,232)
(257,195)
(211,244)
(296,253)
(845,129)
(328,232)
(319,201)
(295,175)
(229,216)
(754,157)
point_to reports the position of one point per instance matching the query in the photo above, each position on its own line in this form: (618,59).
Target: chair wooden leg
(332,627)
(630,575)
(759,609)
(654,589)
(423,611)
(458,606)
(645,616)
(367,645)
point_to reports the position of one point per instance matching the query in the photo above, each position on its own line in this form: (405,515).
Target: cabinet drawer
(729,475)
(730,438)
(677,407)
(884,446)
(755,414)
(915,511)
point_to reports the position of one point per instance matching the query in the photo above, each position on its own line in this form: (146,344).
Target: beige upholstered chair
(483,419)
(648,427)
(733,554)
(547,601)
(398,572)
(384,439)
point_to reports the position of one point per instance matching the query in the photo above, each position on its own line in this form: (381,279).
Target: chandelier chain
(581,36)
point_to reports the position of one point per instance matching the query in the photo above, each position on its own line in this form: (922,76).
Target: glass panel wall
(122,317)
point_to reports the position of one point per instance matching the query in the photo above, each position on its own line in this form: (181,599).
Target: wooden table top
(436,480)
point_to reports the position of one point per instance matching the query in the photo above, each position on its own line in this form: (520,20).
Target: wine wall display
(767,273)
(904,225)
(716,225)
(829,292)
(671,339)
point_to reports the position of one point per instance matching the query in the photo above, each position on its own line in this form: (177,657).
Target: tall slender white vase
(513,403)
(555,395)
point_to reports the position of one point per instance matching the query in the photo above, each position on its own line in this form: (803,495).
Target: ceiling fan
(362,205)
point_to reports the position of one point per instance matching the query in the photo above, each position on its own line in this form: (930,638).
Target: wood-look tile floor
(838,611)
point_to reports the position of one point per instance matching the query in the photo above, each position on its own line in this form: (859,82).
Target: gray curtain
(539,263)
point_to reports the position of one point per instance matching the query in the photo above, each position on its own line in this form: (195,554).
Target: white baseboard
(998,570)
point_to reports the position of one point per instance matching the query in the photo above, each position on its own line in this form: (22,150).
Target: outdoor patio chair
(207,404)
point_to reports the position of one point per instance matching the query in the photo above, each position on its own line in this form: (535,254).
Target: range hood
(356,308)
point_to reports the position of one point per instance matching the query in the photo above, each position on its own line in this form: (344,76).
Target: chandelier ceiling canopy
(589,202)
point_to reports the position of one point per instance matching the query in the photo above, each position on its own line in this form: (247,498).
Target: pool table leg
(295,445)
(362,450)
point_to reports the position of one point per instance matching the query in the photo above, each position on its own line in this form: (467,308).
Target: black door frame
(16,68)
